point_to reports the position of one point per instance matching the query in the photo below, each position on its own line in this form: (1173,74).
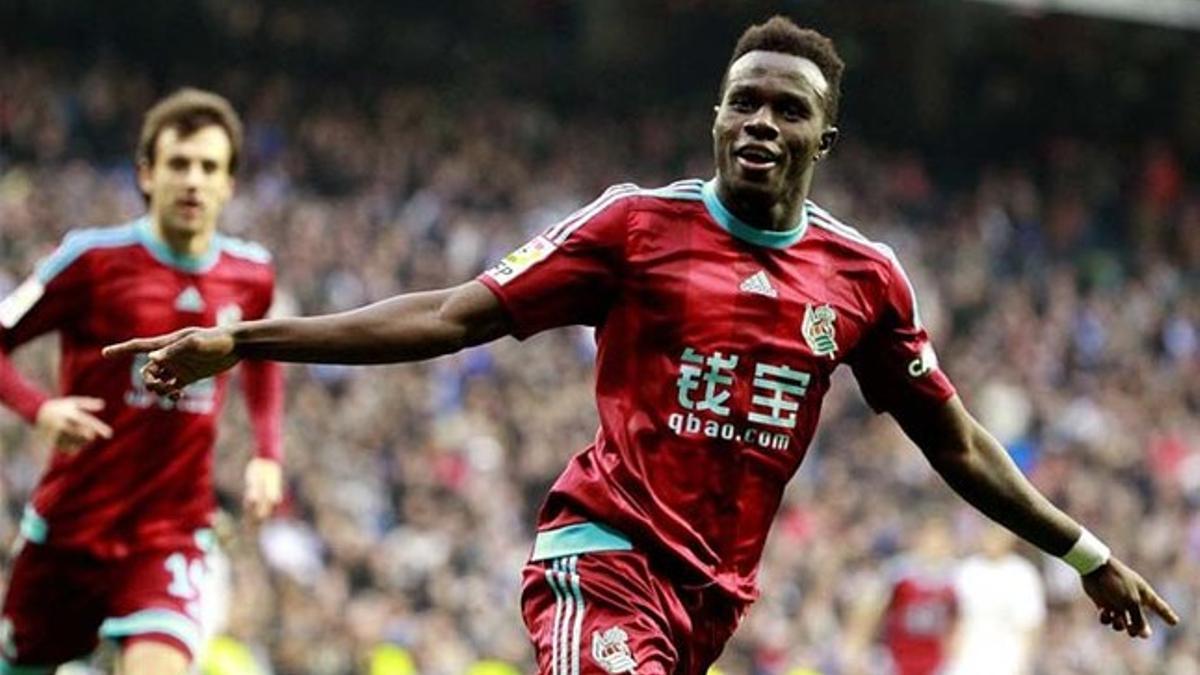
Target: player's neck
(183,243)
(779,216)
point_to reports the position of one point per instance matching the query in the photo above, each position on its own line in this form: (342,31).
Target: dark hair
(187,111)
(781,34)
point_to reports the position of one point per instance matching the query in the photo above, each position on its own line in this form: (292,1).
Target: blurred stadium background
(1034,163)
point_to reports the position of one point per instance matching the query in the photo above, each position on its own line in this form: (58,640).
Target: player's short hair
(187,111)
(781,34)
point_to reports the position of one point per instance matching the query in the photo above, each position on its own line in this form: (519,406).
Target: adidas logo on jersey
(189,300)
(759,283)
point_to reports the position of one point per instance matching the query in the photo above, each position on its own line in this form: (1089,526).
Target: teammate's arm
(262,385)
(408,327)
(977,467)
(43,304)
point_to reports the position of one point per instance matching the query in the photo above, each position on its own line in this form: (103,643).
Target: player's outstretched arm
(408,327)
(977,467)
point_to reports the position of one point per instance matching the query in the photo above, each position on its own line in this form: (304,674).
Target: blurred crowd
(1061,290)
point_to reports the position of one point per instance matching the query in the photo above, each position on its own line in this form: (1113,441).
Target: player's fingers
(69,442)
(136,346)
(1138,626)
(1106,616)
(1118,621)
(89,403)
(93,425)
(1159,606)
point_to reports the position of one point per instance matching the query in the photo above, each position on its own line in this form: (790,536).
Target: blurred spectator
(1003,609)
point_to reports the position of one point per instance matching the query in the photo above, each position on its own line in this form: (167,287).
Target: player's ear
(144,176)
(828,138)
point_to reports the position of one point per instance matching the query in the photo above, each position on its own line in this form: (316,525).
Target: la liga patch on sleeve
(515,263)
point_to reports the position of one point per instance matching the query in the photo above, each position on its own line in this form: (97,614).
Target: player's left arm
(898,372)
(979,469)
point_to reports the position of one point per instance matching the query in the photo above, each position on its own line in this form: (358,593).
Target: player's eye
(209,166)
(794,112)
(742,103)
(177,163)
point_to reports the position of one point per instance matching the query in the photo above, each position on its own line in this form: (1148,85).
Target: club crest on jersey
(611,651)
(229,314)
(819,331)
(538,249)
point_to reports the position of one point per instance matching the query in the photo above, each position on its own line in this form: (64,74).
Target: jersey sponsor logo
(20,301)
(818,330)
(759,283)
(515,263)
(190,300)
(611,651)
(706,384)
(925,363)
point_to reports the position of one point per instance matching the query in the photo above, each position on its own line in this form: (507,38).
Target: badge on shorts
(611,651)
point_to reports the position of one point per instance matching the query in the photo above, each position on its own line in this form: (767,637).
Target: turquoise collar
(733,225)
(195,264)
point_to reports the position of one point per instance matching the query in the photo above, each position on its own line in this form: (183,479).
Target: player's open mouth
(756,158)
(190,207)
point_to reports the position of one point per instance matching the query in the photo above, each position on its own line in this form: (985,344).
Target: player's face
(189,182)
(767,133)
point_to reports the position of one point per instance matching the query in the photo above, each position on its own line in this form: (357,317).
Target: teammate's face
(189,182)
(767,133)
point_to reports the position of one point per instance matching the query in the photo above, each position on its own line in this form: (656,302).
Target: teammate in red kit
(112,544)
(721,309)
(915,614)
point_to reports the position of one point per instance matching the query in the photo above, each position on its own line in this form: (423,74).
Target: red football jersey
(919,618)
(716,342)
(151,484)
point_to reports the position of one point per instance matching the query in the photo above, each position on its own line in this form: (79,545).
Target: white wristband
(1088,554)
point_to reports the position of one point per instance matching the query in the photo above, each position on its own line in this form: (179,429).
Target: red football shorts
(612,612)
(59,603)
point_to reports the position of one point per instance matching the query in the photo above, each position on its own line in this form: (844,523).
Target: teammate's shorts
(59,603)
(605,608)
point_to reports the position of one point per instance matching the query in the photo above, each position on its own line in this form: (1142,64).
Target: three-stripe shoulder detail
(244,249)
(79,242)
(822,219)
(686,190)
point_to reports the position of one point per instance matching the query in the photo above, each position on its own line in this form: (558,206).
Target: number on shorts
(186,578)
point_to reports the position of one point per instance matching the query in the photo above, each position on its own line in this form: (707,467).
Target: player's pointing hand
(180,358)
(1123,596)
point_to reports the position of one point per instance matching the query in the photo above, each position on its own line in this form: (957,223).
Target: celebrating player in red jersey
(112,544)
(721,310)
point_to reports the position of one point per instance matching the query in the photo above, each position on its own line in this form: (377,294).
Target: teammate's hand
(264,487)
(1122,597)
(69,423)
(180,358)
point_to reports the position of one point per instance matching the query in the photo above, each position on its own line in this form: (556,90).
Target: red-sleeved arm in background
(50,298)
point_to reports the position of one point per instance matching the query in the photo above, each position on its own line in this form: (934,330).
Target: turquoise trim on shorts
(165,621)
(577,539)
(206,540)
(33,526)
(7,668)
